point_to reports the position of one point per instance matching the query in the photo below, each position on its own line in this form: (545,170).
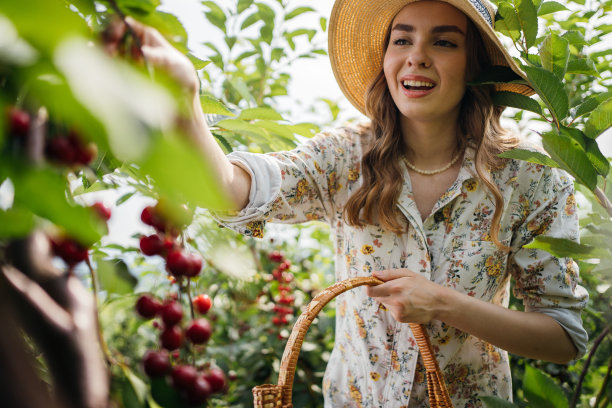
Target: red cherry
(85,154)
(199,331)
(194,265)
(151,245)
(183,377)
(169,243)
(202,303)
(172,313)
(276,256)
(156,363)
(276,321)
(171,338)
(178,262)
(284,265)
(103,211)
(199,391)
(19,121)
(216,378)
(150,216)
(147,306)
(60,150)
(70,251)
(147,215)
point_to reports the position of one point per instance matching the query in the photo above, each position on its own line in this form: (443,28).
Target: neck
(429,145)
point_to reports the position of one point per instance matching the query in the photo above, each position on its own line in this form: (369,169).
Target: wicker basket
(279,395)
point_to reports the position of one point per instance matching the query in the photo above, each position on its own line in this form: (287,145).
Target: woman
(419,199)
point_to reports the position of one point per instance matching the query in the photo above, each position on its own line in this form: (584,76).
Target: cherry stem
(190,300)
(94,283)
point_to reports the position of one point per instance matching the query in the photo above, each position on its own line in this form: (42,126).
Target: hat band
(482,10)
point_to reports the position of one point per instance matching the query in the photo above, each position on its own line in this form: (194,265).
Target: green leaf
(267,33)
(323,24)
(138,386)
(497,75)
(496,402)
(260,113)
(542,391)
(529,156)
(213,106)
(305,129)
(507,20)
(240,126)
(575,38)
(181,174)
(565,248)
(550,89)
(571,157)
(15,223)
(298,11)
(80,223)
(582,66)
(267,14)
(591,104)
(115,277)
(599,120)
(216,16)
(554,54)
(124,198)
(528,17)
(138,7)
(242,88)
(599,161)
(244,4)
(514,100)
(165,395)
(250,20)
(549,7)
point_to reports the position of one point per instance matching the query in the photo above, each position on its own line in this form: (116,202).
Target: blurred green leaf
(575,38)
(214,106)
(565,248)
(216,16)
(115,277)
(572,158)
(582,66)
(298,11)
(165,395)
(243,5)
(554,54)
(549,7)
(260,113)
(529,156)
(15,223)
(496,402)
(87,7)
(599,120)
(323,23)
(591,104)
(542,391)
(181,174)
(138,7)
(550,89)
(599,161)
(497,75)
(250,20)
(33,184)
(514,100)
(139,387)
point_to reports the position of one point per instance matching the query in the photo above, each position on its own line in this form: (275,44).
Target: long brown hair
(376,199)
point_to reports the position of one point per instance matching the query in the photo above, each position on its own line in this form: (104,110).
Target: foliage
(52,65)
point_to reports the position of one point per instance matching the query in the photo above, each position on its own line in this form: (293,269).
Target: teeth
(418,83)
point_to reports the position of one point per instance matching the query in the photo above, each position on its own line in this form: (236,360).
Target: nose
(418,57)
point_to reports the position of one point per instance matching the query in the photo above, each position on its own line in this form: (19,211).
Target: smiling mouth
(418,85)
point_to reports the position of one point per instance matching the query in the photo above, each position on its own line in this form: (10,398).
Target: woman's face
(425,61)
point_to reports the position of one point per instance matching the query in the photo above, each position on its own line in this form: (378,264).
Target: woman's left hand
(407,295)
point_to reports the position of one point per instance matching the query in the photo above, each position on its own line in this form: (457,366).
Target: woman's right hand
(155,50)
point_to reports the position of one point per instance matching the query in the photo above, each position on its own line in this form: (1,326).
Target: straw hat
(357,30)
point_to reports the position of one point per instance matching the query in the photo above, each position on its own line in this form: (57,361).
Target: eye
(400,41)
(446,43)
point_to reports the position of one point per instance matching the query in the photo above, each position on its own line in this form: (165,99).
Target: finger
(390,274)
(147,35)
(378,291)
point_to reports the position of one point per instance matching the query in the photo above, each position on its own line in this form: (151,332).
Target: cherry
(85,154)
(147,306)
(216,378)
(156,363)
(151,245)
(285,265)
(199,331)
(202,303)
(183,377)
(194,265)
(61,150)
(276,256)
(172,313)
(103,211)
(199,391)
(69,250)
(19,121)
(171,338)
(178,263)
(150,216)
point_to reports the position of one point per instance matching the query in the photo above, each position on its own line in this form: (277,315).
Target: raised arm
(158,52)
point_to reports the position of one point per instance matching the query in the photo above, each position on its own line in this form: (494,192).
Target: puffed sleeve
(545,283)
(293,186)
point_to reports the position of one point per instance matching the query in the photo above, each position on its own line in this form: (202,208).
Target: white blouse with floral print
(375,360)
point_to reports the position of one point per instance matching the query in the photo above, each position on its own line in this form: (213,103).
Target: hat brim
(356,35)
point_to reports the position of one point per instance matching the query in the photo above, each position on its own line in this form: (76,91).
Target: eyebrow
(436,30)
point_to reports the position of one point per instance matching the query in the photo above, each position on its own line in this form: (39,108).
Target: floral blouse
(375,361)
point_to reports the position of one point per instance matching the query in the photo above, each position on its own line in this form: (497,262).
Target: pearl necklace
(432,172)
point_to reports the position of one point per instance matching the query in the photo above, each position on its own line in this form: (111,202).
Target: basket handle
(438,394)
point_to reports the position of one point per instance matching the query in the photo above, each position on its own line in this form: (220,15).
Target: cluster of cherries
(179,263)
(71,251)
(65,148)
(194,385)
(285,300)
